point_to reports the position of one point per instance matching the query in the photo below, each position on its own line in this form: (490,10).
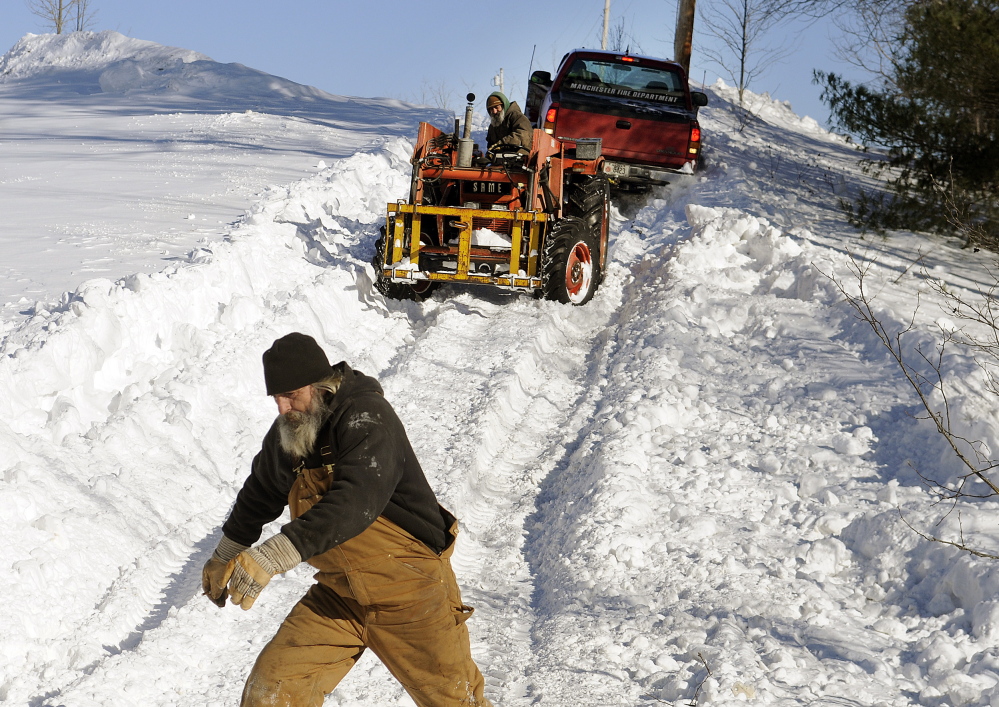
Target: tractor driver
(509,129)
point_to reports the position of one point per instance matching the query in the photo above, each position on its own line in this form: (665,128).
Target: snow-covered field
(686,491)
(120,155)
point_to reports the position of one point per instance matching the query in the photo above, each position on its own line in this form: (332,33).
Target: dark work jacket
(515,129)
(375,473)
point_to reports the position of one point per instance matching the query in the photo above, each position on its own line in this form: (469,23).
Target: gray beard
(297,431)
(497,118)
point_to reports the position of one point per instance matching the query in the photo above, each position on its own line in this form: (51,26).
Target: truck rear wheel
(418,291)
(570,271)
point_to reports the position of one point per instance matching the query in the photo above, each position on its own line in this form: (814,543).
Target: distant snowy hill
(108,62)
(687,490)
(86,52)
(119,155)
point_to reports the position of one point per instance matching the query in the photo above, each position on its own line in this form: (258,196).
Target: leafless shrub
(774,159)
(697,692)
(966,213)
(923,368)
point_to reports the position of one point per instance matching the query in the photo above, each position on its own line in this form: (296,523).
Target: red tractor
(532,221)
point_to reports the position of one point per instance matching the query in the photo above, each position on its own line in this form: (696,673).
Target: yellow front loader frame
(399,246)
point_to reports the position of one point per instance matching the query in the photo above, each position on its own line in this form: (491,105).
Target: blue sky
(407,49)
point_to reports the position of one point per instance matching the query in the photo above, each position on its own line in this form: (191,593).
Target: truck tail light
(694,146)
(550,117)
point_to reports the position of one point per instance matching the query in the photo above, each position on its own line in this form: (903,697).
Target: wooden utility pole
(498,81)
(684,37)
(603,42)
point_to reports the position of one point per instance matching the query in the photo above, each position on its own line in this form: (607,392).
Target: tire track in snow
(486,394)
(498,377)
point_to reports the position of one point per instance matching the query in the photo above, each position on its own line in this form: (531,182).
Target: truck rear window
(624,80)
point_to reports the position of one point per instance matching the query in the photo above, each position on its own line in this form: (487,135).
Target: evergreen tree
(937,116)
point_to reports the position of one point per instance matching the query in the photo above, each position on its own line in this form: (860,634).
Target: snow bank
(772,110)
(668,505)
(171,151)
(703,511)
(204,78)
(126,381)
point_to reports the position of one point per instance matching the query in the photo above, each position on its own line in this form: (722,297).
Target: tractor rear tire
(570,270)
(589,200)
(419,291)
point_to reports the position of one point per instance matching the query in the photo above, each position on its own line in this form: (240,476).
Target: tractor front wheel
(571,269)
(418,291)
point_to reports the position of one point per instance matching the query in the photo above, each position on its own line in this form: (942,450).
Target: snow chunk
(811,483)
(695,528)
(733,250)
(485,238)
(695,458)
(827,556)
(855,443)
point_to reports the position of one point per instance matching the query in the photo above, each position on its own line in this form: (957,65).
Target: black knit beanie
(294,361)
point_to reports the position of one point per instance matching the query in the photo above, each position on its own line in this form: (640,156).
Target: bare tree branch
(85,15)
(438,94)
(741,26)
(959,545)
(56,13)
(621,39)
(707,674)
(871,39)
(807,8)
(928,382)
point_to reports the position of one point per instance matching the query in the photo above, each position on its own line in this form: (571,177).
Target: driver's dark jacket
(515,129)
(375,473)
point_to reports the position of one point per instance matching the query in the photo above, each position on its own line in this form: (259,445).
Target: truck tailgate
(629,136)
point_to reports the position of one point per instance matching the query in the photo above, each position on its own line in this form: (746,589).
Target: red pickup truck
(641,109)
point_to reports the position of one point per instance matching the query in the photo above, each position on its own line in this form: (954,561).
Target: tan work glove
(251,570)
(215,574)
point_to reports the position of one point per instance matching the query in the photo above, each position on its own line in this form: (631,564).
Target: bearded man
(363,515)
(509,129)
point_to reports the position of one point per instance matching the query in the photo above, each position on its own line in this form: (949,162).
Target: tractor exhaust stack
(465,143)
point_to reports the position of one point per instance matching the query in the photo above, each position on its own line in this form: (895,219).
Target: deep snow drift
(689,488)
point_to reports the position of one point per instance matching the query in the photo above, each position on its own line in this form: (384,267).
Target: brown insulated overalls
(384,590)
